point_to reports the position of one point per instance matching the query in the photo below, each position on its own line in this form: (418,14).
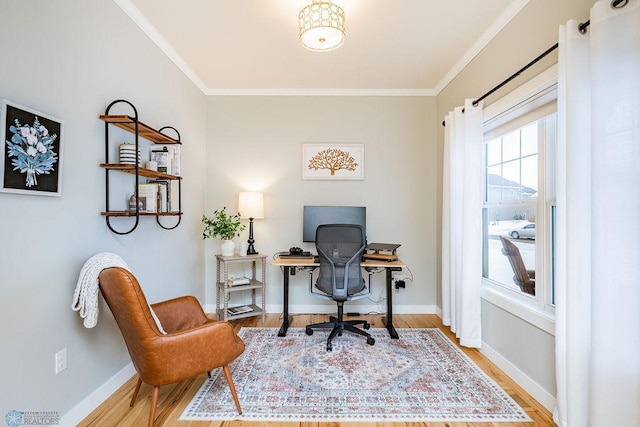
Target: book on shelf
(162,157)
(173,195)
(148,193)
(164,194)
(168,158)
(239,310)
(237,281)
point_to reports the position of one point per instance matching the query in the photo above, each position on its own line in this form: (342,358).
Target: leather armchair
(193,343)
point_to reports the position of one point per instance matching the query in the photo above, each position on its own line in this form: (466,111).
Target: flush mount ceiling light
(321,26)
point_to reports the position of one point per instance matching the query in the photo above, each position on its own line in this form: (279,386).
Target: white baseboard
(522,379)
(360,308)
(331,308)
(95,399)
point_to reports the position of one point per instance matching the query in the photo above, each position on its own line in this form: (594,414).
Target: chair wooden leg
(227,374)
(154,403)
(135,393)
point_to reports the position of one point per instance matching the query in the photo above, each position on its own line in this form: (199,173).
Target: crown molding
(505,17)
(320,92)
(147,27)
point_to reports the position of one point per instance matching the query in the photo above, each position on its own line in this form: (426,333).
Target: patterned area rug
(422,376)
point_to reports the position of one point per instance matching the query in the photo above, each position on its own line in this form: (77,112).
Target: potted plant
(224,225)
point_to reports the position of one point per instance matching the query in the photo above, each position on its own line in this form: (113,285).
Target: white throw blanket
(85,297)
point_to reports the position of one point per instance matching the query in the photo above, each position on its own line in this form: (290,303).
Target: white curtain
(462,223)
(598,220)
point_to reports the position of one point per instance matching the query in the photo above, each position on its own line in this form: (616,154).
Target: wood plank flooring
(174,398)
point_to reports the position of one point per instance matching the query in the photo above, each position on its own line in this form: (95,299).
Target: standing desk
(288,263)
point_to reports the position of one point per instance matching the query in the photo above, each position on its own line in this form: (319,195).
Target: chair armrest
(197,350)
(179,314)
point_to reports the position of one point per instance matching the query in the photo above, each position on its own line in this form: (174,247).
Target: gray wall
(69,59)
(530,33)
(255,143)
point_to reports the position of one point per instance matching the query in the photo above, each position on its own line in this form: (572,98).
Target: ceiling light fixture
(322,26)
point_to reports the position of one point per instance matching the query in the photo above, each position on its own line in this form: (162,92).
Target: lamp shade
(322,26)
(251,204)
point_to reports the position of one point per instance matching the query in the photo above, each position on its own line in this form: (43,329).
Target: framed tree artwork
(333,161)
(32,151)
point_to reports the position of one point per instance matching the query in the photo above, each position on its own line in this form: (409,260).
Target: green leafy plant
(222,224)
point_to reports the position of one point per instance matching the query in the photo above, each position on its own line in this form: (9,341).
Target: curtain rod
(581,27)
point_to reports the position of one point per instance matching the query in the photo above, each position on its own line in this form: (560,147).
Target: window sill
(529,311)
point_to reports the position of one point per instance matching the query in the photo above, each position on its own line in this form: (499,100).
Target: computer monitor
(313,216)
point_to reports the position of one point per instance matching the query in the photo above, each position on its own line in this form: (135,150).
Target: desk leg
(388,321)
(286,319)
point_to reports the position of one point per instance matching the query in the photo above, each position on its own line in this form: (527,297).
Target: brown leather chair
(525,279)
(193,344)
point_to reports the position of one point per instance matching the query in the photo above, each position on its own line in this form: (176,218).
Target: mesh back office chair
(340,248)
(524,278)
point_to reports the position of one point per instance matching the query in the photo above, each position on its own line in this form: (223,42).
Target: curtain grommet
(619,4)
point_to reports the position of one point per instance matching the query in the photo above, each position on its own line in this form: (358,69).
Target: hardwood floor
(174,398)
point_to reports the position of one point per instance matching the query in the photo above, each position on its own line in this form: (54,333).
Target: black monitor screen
(313,216)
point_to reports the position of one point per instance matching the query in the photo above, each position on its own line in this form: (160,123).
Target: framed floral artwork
(32,151)
(333,161)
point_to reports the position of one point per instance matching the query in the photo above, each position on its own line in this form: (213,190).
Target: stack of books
(239,310)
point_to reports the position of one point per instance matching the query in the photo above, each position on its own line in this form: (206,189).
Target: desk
(288,263)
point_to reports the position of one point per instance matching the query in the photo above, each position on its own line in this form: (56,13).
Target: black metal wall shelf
(139,130)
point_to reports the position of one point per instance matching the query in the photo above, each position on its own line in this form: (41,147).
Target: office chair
(340,248)
(525,279)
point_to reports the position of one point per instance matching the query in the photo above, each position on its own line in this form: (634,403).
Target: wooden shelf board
(129,213)
(147,132)
(147,173)
(255,284)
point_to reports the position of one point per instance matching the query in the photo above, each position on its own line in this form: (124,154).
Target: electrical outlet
(399,280)
(61,360)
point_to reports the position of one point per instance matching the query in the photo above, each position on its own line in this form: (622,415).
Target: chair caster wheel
(308,331)
(371,341)
(329,347)
(366,326)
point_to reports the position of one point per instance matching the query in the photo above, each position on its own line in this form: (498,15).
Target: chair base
(338,325)
(156,392)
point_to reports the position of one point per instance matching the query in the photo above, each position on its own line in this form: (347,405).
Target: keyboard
(289,256)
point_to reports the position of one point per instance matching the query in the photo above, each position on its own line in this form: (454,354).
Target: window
(519,197)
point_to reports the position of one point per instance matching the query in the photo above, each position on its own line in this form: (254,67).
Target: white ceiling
(251,47)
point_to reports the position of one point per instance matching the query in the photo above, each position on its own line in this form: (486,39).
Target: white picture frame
(332,161)
(32,151)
